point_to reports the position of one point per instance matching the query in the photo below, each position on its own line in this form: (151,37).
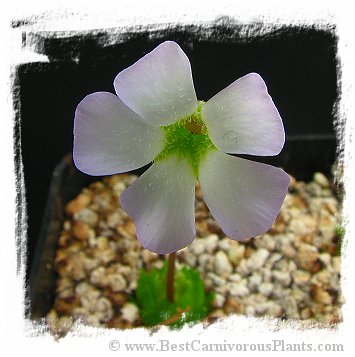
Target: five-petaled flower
(156,116)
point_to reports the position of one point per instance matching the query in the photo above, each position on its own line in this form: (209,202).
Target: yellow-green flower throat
(188,139)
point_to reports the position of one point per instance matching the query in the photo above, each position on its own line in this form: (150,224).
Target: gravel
(290,272)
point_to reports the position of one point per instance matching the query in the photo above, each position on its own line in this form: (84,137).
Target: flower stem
(170,277)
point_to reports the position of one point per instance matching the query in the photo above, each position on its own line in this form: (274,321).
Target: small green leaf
(339,233)
(191,302)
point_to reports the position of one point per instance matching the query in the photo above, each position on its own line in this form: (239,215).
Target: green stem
(170,277)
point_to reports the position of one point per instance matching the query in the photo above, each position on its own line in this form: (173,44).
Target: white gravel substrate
(291,272)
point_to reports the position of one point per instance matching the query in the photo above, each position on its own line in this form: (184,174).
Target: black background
(298,64)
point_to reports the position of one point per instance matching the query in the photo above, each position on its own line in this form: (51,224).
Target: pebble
(217,314)
(301,277)
(92,320)
(90,263)
(275,309)
(65,293)
(321,295)
(118,188)
(158,264)
(284,278)
(233,305)
(267,275)
(117,282)
(306,313)
(224,244)
(148,256)
(257,259)
(216,279)
(268,308)
(261,308)
(113,219)
(327,224)
(98,277)
(282,265)
(303,226)
(89,300)
(188,257)
(243,267)
(205,262)
(336,263)
(222,265)
(130,312)
(279,292)
(72,268)
(265,241)
(237,289)
(211,242)
(221,289)
(59,325)
(83,288)
(290,307)
(132,285)
(321,180)
(104,309)
(292,266)
(314,189)
(79,203)
(326,259)
(274,258)
(254,281)
(307,256)
(88,216)
(322,278)
(80,312)
(236,253)
(197,247)
(250,310)
(129,179)
(102,243)
(266,288)
(81,230)
(105,256)
(219,300)
(288,251)
(235,277)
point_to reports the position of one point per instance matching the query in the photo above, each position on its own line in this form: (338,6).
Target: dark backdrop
(298,65)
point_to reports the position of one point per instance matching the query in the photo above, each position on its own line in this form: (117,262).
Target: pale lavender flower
(155,116)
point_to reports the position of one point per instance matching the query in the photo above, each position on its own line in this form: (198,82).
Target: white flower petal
(159,86)
(242,119)
(243,196)
(161,203)
(109,138)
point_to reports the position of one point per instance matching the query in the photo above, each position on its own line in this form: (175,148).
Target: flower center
(188,139)
(194,126)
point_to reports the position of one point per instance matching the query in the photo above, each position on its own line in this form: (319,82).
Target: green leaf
(191,302)
(340,234)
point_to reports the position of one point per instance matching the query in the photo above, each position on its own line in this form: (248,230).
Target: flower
(155,116)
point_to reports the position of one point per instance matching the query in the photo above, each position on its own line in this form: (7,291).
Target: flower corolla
(156,117)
